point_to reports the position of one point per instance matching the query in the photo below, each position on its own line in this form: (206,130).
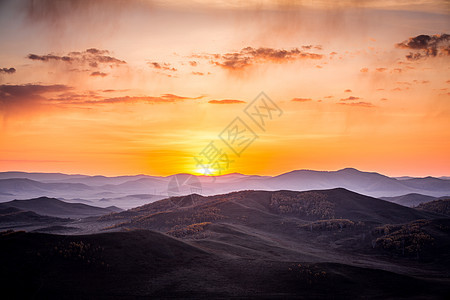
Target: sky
(216,87)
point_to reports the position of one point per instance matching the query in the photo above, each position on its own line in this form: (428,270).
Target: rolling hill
(410,200)
(247,244)
(56,208)
(142,264)
(441,206)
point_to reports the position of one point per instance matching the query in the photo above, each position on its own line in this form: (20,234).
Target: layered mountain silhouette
(132,191)
(245,244)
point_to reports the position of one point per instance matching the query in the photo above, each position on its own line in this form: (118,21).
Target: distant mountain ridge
(120,190)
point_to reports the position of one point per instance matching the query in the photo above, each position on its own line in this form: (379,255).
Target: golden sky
(131,87)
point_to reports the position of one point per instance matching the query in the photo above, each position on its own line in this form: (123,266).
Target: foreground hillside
(441,206)
(134,264)
(281,244)
(313,225)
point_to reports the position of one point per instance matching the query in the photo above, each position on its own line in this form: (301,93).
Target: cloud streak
(92,57)
(226,101)
(301,99)
(165,98)
(20,98)
(351,98)
(358,104)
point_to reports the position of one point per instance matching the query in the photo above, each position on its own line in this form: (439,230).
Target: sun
(206,170)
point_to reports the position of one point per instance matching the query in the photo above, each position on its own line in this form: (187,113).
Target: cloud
(193,63)
(359,104)
(301,99)
(28,90)
(198,73)
(364,70)
(351,98)
(92,57)
(162,66)
(98,74)
(7,71)
(426,46)
(69,97)
(249,56)
(20,98)
(24,97)
(226,101)
(165,98)
(380,69)
(348,91)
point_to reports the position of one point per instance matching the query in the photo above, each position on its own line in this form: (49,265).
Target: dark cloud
(28,90)
(426,46)
(301,99)
(348,91)
(351,98)
(99,74)
(7,70)
(226,101)
(92,57)
(359,104)
(249,56)
(20,98)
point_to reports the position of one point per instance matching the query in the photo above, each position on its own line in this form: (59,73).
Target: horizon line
(222,175)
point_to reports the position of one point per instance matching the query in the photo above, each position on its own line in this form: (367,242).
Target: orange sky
(117,87)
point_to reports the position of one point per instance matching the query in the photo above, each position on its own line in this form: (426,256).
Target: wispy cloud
(358,104)
(351,98)
(162,66)
(301,99)
(165,98)
(23,97)
(226,101)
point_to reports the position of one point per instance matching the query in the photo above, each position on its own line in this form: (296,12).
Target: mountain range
(246,244)
(132,191)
